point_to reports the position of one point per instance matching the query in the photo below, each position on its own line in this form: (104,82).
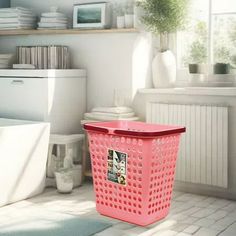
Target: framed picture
(92,15)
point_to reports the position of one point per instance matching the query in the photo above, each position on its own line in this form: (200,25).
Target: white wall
(108,58)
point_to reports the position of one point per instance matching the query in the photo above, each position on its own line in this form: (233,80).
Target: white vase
(120,22)
(164,69)
(129,21)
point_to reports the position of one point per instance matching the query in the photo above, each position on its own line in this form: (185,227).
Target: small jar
(120,22)
(129,21)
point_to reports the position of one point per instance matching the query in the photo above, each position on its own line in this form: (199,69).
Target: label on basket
(116,166)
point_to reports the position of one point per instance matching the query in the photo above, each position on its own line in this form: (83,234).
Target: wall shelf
(66,31)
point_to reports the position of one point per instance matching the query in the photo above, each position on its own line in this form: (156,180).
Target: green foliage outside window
(197,51)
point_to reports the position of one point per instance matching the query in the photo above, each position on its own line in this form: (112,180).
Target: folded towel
(91,116)
(52,25)
(53,14)
(17,20)
(102,114)
(15,9)
(53,20)
(115,110)
(15,14)
(16,25)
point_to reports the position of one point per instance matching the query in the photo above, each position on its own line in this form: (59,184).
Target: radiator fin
(203,156)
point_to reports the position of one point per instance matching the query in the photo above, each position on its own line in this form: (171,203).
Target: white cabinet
(55,96)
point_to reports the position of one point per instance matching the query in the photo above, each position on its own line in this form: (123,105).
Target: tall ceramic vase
(164,69)
(164,65)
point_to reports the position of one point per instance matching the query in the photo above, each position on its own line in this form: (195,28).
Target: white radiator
(203,156)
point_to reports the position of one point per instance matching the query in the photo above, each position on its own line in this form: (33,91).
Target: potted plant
(222,59)
(197,58)
(221,68)
(197,52)
(163,17)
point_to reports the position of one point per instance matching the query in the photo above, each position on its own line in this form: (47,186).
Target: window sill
(206,91)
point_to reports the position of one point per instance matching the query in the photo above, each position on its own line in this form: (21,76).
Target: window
(210,34)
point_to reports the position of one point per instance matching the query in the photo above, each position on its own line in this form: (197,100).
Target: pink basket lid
(133,128)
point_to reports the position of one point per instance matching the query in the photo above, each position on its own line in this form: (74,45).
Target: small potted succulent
(197,58)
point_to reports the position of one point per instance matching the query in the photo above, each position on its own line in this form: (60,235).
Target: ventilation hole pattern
(164,152)
(156,156)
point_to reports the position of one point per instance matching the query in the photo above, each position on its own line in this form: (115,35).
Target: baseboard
(205,190)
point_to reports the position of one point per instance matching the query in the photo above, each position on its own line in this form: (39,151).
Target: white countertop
(207,91)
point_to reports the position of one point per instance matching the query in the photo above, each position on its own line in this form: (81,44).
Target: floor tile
(179,227)
(206,232)
(204,222)
(231,207)
(219,203)
(226,221)
(191,229)
(206,202)
(164,233)
(190,214)
(183,234)
(191,211)
(203,213)
(230,231)
(189,220)
(218,215)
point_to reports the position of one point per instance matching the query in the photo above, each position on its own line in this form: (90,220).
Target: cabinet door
(23,98)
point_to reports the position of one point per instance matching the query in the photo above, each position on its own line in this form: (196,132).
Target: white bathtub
(23,157)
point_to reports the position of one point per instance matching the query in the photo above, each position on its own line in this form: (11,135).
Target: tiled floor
(190,214)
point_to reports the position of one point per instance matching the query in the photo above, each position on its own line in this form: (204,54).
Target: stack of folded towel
(16,18)
(53,20)
(110,113)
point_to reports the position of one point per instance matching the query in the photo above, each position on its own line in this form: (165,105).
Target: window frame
(183,71)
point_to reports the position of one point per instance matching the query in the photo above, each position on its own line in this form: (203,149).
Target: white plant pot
(164,70)
(120,22)
(64,181)
(129,21)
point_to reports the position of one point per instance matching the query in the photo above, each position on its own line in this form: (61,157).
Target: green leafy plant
(232,32)
(222,54)
(197,51)
(164,16)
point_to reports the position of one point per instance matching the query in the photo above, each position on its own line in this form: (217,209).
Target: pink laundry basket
(133,165)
